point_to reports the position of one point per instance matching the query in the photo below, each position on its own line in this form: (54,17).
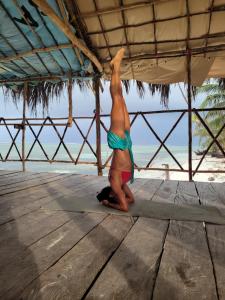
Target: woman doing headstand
(118,195)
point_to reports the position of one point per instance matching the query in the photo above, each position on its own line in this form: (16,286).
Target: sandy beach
(209,163)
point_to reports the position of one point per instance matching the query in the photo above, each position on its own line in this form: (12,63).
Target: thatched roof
(46,42)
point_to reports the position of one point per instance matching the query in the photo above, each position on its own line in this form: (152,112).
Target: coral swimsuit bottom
(126,176)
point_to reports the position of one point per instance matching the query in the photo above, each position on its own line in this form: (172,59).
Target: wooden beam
(189,116)
(34,51)
(150,22)
(27,79)
(177,53)
(98,125)
(25,101)
(209,27)
(156,42)
(120,8)
(70,99)
(63,12)
(47,9)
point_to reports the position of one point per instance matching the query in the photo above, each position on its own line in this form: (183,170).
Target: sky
(84,105)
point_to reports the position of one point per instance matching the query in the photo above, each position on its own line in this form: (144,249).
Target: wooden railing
(20,124)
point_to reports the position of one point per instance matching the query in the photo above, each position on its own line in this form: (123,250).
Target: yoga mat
(143,208)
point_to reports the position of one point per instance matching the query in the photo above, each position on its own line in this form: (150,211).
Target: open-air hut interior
(55,241)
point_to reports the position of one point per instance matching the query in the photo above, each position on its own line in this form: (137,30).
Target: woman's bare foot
(118,57)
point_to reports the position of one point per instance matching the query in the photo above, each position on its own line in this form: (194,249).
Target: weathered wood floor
(66,255)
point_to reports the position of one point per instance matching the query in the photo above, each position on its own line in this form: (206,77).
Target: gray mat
(143,208)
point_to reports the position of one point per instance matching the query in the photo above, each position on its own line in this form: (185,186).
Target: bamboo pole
(189,116)
(98,125)
(29,79)
(70,100)
(156,42)
(120,8)
(135,25)
(63,13)
(47,9)
(176,53)
(25,98)
(34,51)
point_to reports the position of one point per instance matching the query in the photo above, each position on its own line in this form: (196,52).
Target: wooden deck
(68,255)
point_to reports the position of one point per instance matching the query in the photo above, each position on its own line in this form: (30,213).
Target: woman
(118,195)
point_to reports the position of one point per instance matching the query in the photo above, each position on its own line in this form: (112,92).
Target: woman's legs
(117,112)
(126,116)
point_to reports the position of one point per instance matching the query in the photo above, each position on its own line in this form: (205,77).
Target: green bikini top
(116,142)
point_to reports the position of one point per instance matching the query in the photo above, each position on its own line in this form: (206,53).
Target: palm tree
(215,98)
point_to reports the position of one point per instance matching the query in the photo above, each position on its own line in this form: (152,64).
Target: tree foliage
(215,98)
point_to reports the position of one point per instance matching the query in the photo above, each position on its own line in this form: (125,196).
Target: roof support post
(70,100)
(25,100)
(189,115)
(98,125)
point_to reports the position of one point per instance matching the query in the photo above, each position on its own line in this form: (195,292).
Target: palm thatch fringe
(140,88)
(40,93)
(163,89)
(43,92)
(126,84)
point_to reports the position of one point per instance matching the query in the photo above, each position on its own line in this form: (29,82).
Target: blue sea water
(142,155)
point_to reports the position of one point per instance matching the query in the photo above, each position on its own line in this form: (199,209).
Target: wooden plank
(18,207)
(131,271)
(30,228)
(24,180)
(24,226)
(72,275)
(37,192)
(216,238)
(7,172)
(166,192)
(208,194)
(185,270)
(8,182)
(27,185)
(44,254)
(9,176)
(186,193)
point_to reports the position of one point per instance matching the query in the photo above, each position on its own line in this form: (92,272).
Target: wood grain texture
(216,238)
(185,270)
(131,271)
(43,254)
(28,229)
(28,184)
(71,276)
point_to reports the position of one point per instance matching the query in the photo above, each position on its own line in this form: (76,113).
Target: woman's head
(106,194)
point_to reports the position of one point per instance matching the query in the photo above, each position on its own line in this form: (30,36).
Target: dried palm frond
(40,93)
(163,89)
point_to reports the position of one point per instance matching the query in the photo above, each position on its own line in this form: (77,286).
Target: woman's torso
(121,160)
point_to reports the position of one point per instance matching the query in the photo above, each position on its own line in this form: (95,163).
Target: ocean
(142,155)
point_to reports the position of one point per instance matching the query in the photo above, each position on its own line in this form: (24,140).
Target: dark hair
(105,195)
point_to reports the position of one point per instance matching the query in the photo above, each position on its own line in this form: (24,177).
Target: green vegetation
(215,98)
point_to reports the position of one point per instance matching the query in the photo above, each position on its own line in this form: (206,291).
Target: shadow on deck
(60,254)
